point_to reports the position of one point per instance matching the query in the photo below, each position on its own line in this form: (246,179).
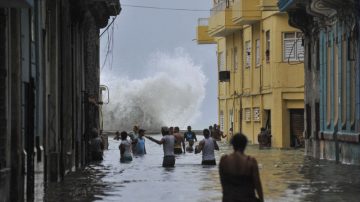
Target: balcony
(246,12)
(202,36)
(220,21)
(268,5)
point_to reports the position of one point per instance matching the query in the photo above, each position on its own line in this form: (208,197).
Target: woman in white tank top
(125,148)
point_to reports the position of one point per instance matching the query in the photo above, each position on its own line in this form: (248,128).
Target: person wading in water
(134,134)
(168,142)
(217,134)
(139,143)
(125,148)
(207,146)
(97,145)
(190,136)
(179,141)
(239,174)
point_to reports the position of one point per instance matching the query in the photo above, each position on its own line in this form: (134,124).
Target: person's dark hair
(123,135)
(164,130)
(189,127)
(206,133)
(176,129)
(239,142)
(94,132)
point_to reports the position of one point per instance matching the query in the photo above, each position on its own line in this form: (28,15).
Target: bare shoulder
(224,158)
(252,160)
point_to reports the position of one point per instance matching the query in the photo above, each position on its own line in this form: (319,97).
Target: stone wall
(63,72)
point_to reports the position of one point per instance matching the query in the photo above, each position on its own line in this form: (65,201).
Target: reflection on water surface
(287,175)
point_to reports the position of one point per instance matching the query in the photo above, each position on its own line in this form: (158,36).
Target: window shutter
(235,58)
(247,114)
(247,54)
(256,114)
(257,52)
(221,121)
(289,50)
(299,50)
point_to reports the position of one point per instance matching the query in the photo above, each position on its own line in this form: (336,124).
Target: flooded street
(286,176)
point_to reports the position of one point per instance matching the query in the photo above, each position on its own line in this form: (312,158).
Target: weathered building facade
(49,67)
(332,90)
(260,65)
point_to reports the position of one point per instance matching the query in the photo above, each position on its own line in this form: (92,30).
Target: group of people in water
(173,143)
(239,173)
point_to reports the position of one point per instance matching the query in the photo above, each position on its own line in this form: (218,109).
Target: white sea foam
(171,95)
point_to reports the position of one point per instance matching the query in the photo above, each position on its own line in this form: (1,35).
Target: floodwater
(287,175)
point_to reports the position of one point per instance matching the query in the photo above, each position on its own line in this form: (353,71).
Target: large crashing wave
(172,95)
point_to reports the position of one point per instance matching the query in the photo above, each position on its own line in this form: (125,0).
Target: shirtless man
(239,173)
(217,134)
(179,141)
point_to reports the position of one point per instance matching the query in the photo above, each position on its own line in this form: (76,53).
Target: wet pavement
(287,175)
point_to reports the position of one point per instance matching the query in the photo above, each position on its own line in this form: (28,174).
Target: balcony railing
(220,21)
(219,7)
(203,32)
(203,22)
(246,11)
(269,5)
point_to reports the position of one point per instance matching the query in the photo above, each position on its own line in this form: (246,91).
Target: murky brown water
(287,175)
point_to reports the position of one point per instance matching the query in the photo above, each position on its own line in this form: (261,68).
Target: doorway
(296,127)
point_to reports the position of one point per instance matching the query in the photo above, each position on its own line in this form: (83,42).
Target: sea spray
(171,95)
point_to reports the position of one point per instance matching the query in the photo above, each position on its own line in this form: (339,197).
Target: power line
(164,8)
(180,9)
(114,18)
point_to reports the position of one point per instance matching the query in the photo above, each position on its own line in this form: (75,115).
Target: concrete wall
(45,94)
(273,87)
(331,73)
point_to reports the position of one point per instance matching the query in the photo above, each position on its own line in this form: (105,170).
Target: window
(256,112)
(247,114)
(343,82)
(328,77)
(257,53)
(293,50)
(231,119)
(336,83)
(352,92)
(221,61)
(247,53)
(267,51)
(351,53)
(221,121)
(236,61)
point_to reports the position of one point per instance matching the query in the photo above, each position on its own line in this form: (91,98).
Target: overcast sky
(140,32)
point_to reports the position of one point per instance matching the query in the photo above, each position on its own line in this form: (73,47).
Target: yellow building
(260,64)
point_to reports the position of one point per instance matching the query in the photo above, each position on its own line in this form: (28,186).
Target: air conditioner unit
(224,76)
